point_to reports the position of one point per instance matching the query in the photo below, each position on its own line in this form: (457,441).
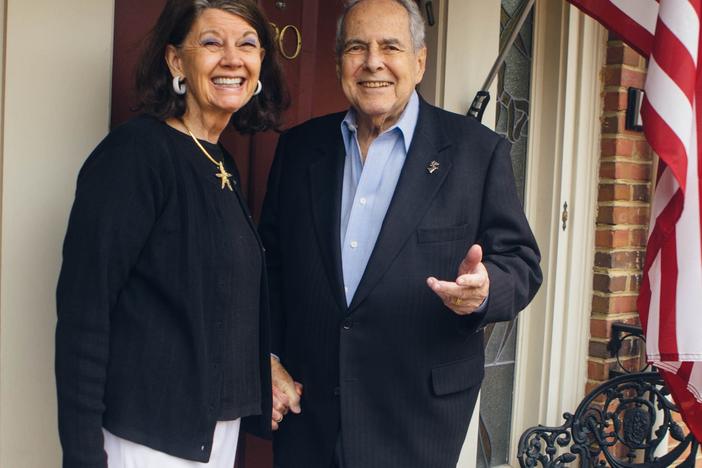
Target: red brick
(639,237)
(615,55)
(620,259)
(615,101)
(631,57)
(625,77)
(622,54)
(598,349)
(599,328)
(611,124)
(597,370)
(641,192)
(642,150)
(617,147)
(609,284)
(624,147)
(609,238)
(625,170)
(614,215)
(614,192)
(602,328)
(612,305)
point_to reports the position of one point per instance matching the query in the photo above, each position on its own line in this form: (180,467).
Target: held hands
(286,393)
(471,287)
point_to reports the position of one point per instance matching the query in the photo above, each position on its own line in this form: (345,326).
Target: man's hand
(471,287)
(286,393)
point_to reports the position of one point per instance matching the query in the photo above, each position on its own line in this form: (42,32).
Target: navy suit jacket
(396,373)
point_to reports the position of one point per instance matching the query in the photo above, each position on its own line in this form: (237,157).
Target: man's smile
(375,84)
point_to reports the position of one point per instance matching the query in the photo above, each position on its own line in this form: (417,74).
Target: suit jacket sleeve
(510,253)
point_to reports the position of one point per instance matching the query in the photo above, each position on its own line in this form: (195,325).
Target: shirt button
(354,244)
(363,201)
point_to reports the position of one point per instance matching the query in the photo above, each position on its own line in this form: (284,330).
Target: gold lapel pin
(433,167)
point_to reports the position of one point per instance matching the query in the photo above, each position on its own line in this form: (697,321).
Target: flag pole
(482,97)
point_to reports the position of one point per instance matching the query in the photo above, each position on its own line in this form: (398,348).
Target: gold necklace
(223,175)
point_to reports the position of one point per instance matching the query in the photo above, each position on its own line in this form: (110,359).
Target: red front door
(314,89)
(310,74)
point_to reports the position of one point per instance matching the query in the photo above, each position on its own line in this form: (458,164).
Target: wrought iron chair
(625,422)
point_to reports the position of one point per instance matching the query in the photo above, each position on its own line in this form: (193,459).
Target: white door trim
(551,372)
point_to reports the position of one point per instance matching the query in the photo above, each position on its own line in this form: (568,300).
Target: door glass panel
(512,122)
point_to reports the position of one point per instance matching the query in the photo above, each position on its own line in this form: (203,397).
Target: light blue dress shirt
(368,189)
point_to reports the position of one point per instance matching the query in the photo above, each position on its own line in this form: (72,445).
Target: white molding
(57,82)
(553,334)
(468,40)
(432,85)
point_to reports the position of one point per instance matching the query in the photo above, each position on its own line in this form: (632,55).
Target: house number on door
(280,38)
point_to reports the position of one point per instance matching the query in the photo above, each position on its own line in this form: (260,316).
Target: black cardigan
(162,300)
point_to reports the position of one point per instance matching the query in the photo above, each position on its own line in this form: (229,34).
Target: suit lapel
(416,188)
(326,179)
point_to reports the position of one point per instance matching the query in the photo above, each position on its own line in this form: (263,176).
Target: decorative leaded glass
(512,101)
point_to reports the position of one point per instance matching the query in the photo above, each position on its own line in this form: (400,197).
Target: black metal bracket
(633,109)
(480,102)
(621,331)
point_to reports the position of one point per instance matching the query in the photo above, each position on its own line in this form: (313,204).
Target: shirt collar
(406,123)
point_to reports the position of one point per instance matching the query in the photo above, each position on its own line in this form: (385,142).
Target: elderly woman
(162,334)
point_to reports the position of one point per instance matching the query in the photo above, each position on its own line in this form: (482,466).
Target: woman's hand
(286,393)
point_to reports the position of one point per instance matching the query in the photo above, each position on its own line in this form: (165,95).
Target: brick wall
(623,210)
(622,218)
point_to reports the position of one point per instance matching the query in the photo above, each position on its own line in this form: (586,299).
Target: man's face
(378,66)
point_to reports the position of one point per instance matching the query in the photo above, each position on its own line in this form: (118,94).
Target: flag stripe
(638,36)
(651,291)
(688,238)
(662,137)
(678,64)
(669,282)
(643,12)
(683,21)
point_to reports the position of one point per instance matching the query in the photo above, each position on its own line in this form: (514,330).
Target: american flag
(667,32)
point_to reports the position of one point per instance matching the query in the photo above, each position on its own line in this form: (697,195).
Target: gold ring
(457,301)
(278,420)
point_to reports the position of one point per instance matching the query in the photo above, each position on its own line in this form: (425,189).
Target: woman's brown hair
(153,78)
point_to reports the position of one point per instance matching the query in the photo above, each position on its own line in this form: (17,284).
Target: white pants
(122,453)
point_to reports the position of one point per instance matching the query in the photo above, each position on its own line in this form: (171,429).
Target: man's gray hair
(416,24)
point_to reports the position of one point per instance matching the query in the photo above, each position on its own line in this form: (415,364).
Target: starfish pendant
(224,176)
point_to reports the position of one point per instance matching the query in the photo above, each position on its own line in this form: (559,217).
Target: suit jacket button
(348,324)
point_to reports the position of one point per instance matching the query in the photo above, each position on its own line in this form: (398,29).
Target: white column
(471,45)
(56,92)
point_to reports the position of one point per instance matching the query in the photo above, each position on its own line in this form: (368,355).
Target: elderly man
(394,234)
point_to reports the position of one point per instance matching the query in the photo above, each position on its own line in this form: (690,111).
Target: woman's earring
(259,87)
(178,86)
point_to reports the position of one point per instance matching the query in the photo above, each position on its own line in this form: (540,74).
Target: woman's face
(220,59)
